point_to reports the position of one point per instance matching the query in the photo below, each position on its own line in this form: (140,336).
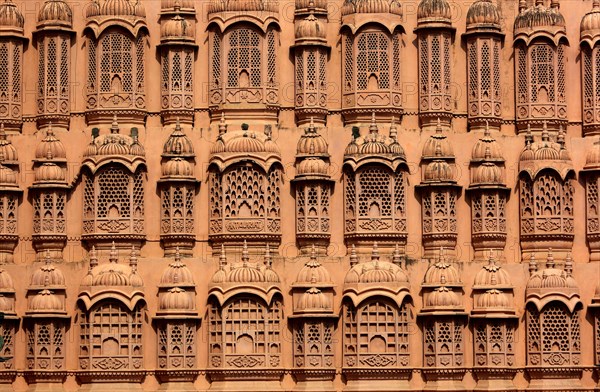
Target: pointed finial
(488,153)
(48,259)
(555,4)
(486,132)
(353,256)
(114,256)
(177,255)
(46,281)
(528,136)
(49,131)
(133,261)
(596,5)
(115,125)
(550,259)
(491,258)
(222,258)
(373,127)
(397,257)
(532,264)
(442,256)
(545,135)
(393,129)
(311,126)
(569,265)
(245,256)
(178,125)
(438,128)
(522,6)
(561,136)
(93,257)
(268,258)
(2,132)
(222,125)
(375,252)
(313,252)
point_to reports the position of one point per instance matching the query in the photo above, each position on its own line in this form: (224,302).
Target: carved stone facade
(306,195)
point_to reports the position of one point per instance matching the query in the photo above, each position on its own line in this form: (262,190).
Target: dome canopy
(176,299)
(441,271)
(122,8)
(592,160)
(442,297)
(310,28)
(49,172)
(312,143)
(178,144)
(115,274)
(55,13)
(494,300)
(487,149)
(371,7)
(437,146)
(246,272)
(434,12)
(313,273)
(50,148)
(115,144)
(545,154)
(483,14)
(176,28)
(177,274)
(438,171)
(8,152)
(492,275)
(48,275)
(243,5)
(487,173)
(177,167)
(6,282)
(376,271)
(590,25)
(11,19)
(8,177)
(313,300)
(244,142)
(540,19)
(173,4)
(46,301)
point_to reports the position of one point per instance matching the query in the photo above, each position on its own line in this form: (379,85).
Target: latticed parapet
(116,43)
(243,70)
(177,51)
(591,177)
(245,180)
(377,318)
(53,36)
(375,187)
(590,70)
(546,191)
(488,195)
(113,176)
(539,42)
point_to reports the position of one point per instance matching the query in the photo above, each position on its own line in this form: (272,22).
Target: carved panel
(484,95)
(53,98)
(177,345)
(177,210)
(11,105)
(443,342)
(313,344)
(435,73)
(312,208)
(494,343)
(49,212)
(46,346)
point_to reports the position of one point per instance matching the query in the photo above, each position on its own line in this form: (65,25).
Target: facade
(300,195)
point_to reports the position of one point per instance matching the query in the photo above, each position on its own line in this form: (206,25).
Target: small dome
(551,277)
(593,156)
(46,301)
(442,297)
(487,173)
(492,274)
(376,271)
(310,28)
(6,282)
(494,299)
(437,145)
(7,176)
(6,304)
(590,23)
(243,5)
(50,148)
(48,275)
(313,272)
(435,11)
(372,7)
(314,300)
(113,147)
(10,16)
(375,144)
(49,172)
(438,171)
(178,144)
(483,13)
(246,274)
(377,274)
(312,166)
(55,12)
(306,4)
(442,272)
(176,299)
(137,149)
(177,167)
(539,17)
(8,152)
(177,273)
(487,149)
(170,4)
(92,9)
(312,143)
(117,8)
(176,27)
(245,143)
(111,278)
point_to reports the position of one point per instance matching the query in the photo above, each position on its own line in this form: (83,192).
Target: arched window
(11,105)
(553,336)
(245,332)
(376,334)
(110,337)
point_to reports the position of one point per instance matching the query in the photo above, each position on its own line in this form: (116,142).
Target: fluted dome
(92,9)
(434,11)
(592,160)
(375,144)
(494,299)
(55,12)
(376,271)
(312,166)
(310,28)
(487,149)
(176,299)
(372,7)
(312,143)
(313,272)
(442,297)
(115,143)
(590,23)
(442,272)
(50,148)
(168,4)
(245,142)
(178,144)
(7,176)
(245,274)
(6,304)
(177,273)
(437,146)
(483,13)
(545,154)
(49,172)
(243,5)
(438,171)
(6,281)
(487,173)
(10,17)
(177,167)
(178,28)
(492,274)
(48,275)
(114,274)
(117,8)
(46,301)
(539,17)
(313,300)
(8,152)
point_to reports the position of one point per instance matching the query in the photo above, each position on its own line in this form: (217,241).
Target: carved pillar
(371,60)
(313,187)
(434,36)
(313,326)
(8,328)
(439,193)
(590,70)
(12,41)
(176,323)
(484,51)
(177,53)
(178,190)
(546,188)
(49,194)
(488,196)
(54,38)
(443,320)
(540,66)
(310,53)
